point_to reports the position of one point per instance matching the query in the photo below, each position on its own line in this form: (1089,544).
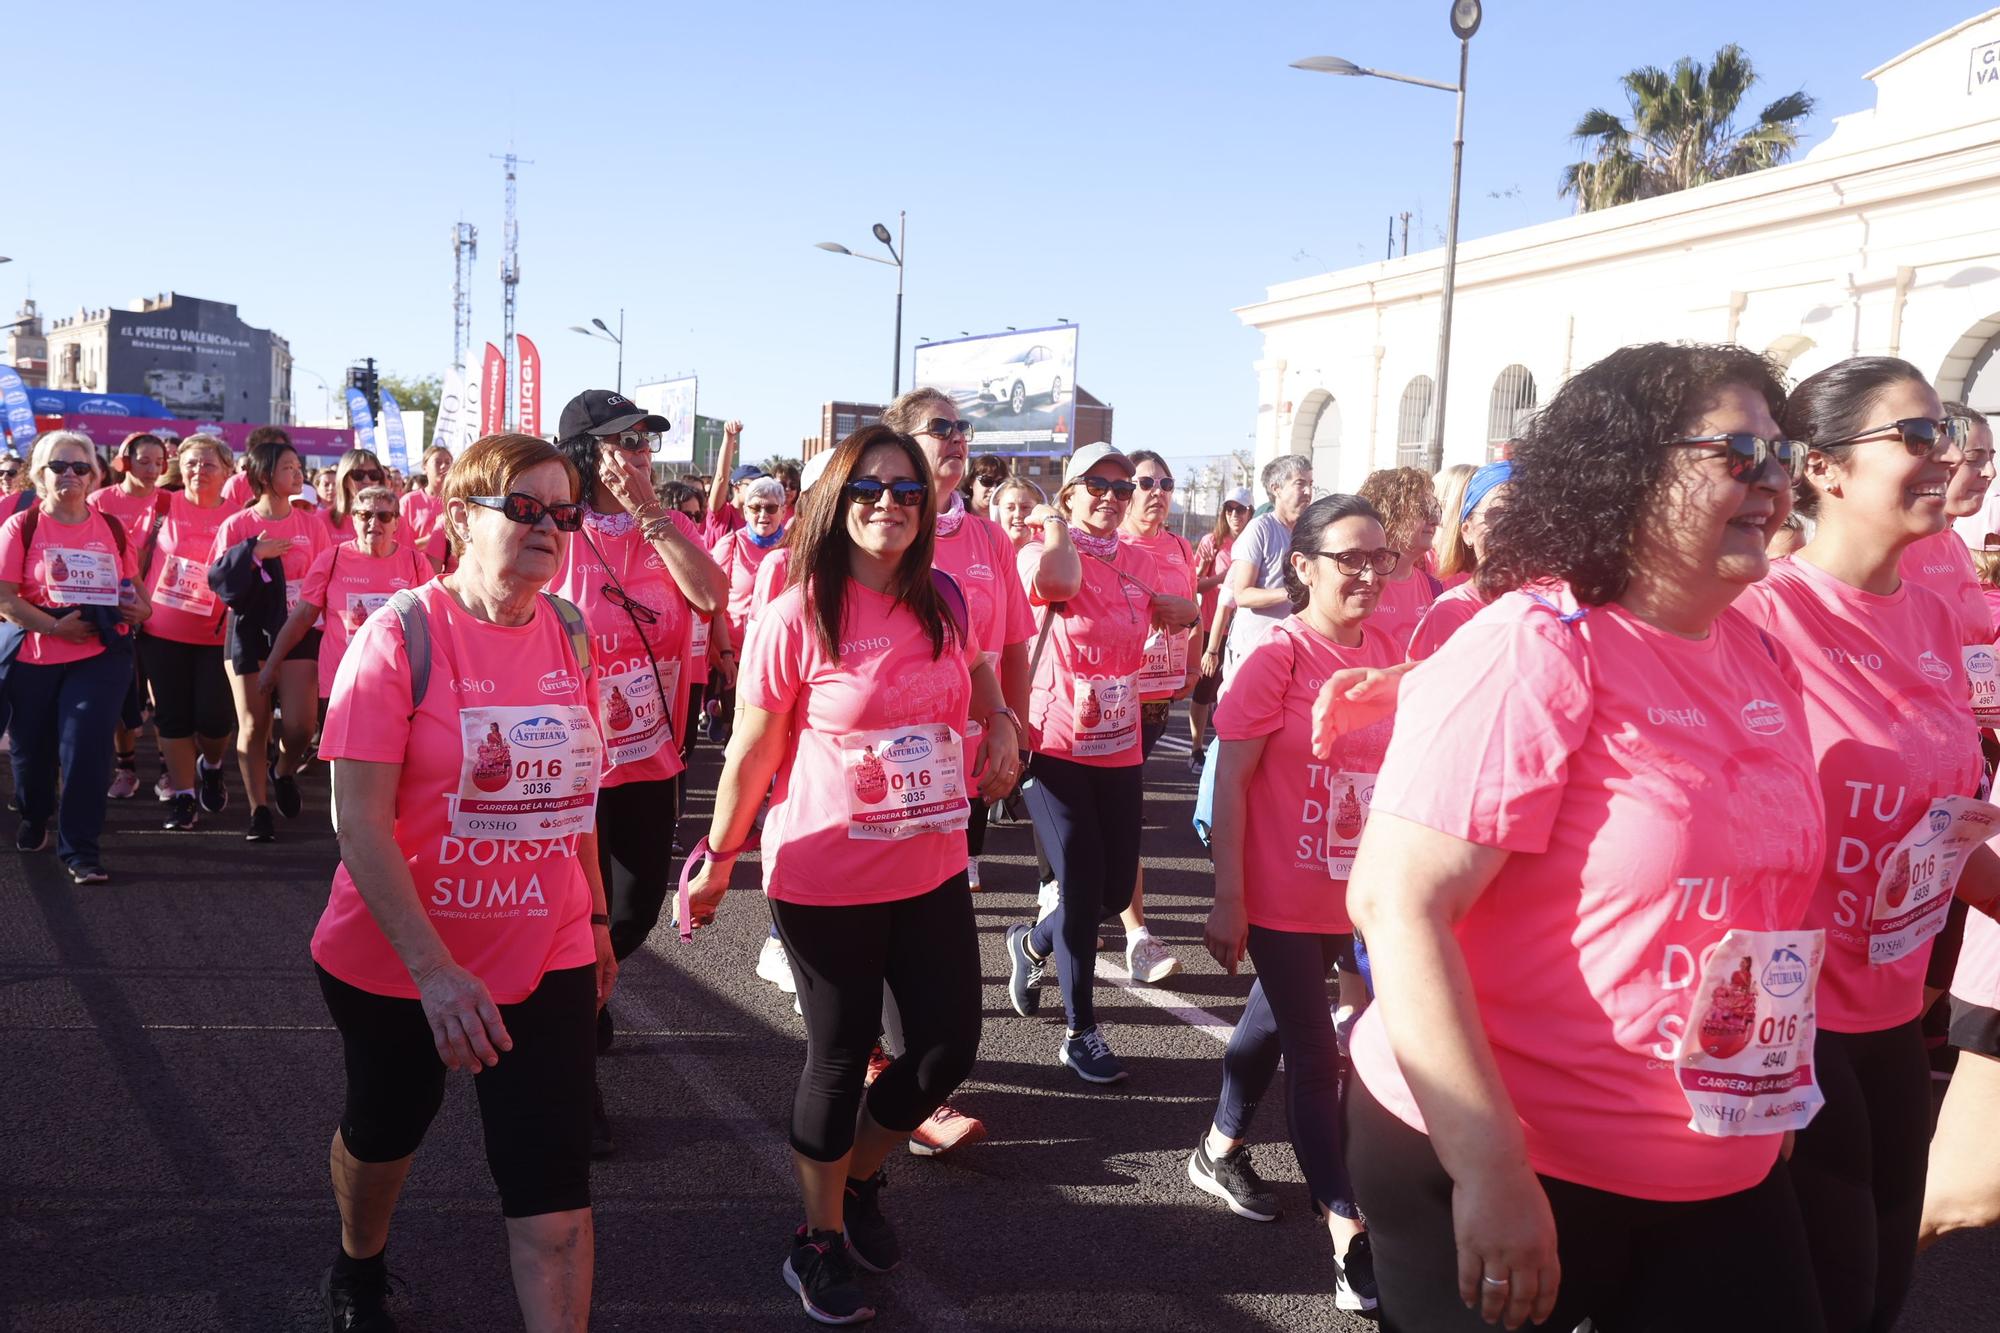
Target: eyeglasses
(375,515)
(633,440)
(1351,563)
(1235,509)
(639,611)
(1152,483)
(944,428)
(763,509)
(365,474)
(868,491)
(1103,486)
(1920,435)
(527,509)
(1747,454)
(60,466)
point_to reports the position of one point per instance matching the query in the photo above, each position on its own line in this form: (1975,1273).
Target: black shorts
(190,692)
(1975,1028)
(534,1105)
(1206,688)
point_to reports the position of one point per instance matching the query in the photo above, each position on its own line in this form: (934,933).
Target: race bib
(905,781)
(637,720)
(291,596)
(184,586)
(360,606)
(1745,1064)
(698,641)
(76,577)
(1982,669)
(1348,797)
(526,774)
(1914,893)
(1165,667)
(1106,715)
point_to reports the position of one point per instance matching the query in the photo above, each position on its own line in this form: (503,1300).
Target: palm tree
(1682,133)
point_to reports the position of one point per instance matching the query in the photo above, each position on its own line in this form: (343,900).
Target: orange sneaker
(878,1060)
(945,1130)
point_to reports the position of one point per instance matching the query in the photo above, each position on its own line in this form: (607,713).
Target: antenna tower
(464,249)
(510,278)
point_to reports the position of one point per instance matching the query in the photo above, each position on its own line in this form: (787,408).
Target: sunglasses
(1103,486)
(763,509)
(639,611)
(366,474)
(1920,435)
(868,491)
(1156,483)
(944,428)
(9,473)
(1351,563)
(60,466)
(527,509)
(632,440)
(1235,509)
(375,515)
(1747,454)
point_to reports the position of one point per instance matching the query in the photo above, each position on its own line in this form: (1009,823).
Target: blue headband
(1482,483)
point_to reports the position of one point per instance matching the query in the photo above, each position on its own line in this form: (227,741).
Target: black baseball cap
(602,412)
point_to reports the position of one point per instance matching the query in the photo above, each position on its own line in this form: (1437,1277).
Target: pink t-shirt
(1100,637)
(1453,608)
(1401,607)
(349,584)
(739,558)
(769,580)
(615,643)
(1173,565)
(1886,697)
(1992,599)
(1210,560)
(31,571)
(1653,793)
(185,610)
(133,512)
(507,911)
(306,528)
(1287,881)
(338,529)
(421,512)
(1944,565)
(981,558)
(883,687)
(236,490)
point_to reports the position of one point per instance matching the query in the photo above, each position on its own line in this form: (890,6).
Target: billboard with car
(1017,388)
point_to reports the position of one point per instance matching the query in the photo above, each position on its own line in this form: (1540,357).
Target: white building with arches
(1884,239)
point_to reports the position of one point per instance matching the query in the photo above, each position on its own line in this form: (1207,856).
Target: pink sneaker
(945,1130)
(124,784)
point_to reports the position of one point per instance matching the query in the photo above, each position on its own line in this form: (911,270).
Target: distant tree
(773,463)
(416,395)
(1682,132)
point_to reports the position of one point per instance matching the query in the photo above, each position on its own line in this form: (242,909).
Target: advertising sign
(194,356)
(392,433)
(55,402)
(674,400)
(18,414)
(106,431)
(451,411)
(530,393)
(1018,389)
(492,391)
(361,419)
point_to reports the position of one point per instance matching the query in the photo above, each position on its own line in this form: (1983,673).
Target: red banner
(531,385)
(492,385)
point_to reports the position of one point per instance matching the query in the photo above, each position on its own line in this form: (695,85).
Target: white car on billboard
(1031,373)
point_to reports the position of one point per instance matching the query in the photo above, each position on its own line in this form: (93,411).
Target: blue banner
(21,429)
(392,433)
(359,417)
(62,402)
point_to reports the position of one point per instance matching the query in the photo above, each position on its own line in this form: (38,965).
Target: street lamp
(602,333)
(326,391)
(895,259)
(1465,16)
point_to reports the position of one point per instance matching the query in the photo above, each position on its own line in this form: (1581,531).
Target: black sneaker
(88,872)
(870,1239)
(214,796)
(1090,1057)
(1232,1179)
(358,1303)
(600,1124)
(285,793)
(1354,1288)
(1024,986)
(605,1035)
(32,836)
(263,828)
(821,1271)
(181,814)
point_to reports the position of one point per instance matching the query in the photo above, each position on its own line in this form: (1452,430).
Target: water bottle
(128,596)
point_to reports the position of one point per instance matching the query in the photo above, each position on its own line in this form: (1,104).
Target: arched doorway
(1413,421)
(1512,399)
(1971,372)
(1316,435)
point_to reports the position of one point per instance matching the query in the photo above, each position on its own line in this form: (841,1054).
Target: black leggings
(927,949)
(1859,1170)
(190,692)
(1737,1264)
(534,1105)
(635,841)
(1087,819)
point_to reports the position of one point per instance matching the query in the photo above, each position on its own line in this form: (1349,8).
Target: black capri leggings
(1737,1264)
(1859,1171)
(190,692)
(1087,819)
(635,853)
(927,949)
(534,1105)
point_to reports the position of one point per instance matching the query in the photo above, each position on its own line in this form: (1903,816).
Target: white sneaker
(972,873)
(1146,959)
(1047,898)
(774,967)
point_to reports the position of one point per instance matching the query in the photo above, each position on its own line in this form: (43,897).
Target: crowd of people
(1605,823)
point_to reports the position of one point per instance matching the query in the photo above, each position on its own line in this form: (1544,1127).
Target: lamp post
(602,333)
(326,392)
(1465,17)
(895,259)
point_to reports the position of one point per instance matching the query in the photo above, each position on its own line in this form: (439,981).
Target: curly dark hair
(1589,473)
(1405,498)
(1836,404)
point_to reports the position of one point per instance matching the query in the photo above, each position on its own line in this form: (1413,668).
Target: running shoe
(1234,1180)
(1196,760)
(214,796)
(1090,1057)
(972,873)
(870,1238)
(263,828)
(124,784)
(1148,960)
(1345,1016)
(878,1060)
(774,967)
(181,814)
(86,872)
(358,1302)
(945,1130)
(821,1270)
(163,790)
(32,836)
(1024,986)
(1354,1285)
(600,1123)
(285,793)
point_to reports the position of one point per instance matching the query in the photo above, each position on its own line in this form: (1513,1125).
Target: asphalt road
(171,1083)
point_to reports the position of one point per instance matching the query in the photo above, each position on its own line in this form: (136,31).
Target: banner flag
(531,385)
(361,419)
(392,433)
(492,390)
(21,427)
(451,411)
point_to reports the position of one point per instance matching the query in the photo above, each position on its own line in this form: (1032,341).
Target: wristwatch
(1004,711)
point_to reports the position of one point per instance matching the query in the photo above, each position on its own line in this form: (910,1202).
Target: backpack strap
(573,625)
(953,598)
(416,641)
(28,526)
(150,546)
(117,532)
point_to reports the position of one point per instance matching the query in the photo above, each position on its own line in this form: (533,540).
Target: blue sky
(1138,169)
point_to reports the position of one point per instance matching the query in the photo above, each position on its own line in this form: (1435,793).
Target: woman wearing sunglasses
(1886,714)
(638,575)
(422,509)
(1943,563)
(357,468)
(856,691)
(740,552)
(1286,826)
(1211,566)
(180,646)
(1102,604)
(68,592)
(133,501)
(1462,542)
(1597,817)
(1408,503)
(258,567)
